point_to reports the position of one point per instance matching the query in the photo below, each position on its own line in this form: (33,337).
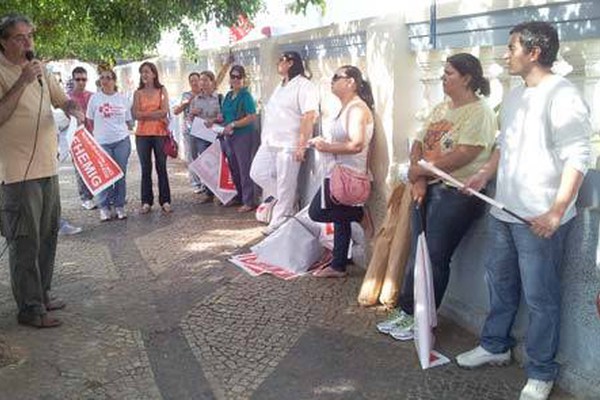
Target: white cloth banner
(212,168)
(424,304)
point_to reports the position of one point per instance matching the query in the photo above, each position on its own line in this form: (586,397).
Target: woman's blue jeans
(448,216)
(520,262)
(115,194)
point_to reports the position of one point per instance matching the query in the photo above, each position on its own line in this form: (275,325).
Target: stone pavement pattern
(156,312)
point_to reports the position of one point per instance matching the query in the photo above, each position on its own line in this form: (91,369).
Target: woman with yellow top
(458,137)
(150,109)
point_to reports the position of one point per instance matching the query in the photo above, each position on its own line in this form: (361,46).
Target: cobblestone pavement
(155,311)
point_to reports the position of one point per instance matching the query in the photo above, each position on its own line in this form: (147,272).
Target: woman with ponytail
(458,138)
(348,142)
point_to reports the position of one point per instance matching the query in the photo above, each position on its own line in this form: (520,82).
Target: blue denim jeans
(519,261)
(115,194)
(448,216)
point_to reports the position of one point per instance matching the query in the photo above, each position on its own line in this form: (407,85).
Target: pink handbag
(348,186)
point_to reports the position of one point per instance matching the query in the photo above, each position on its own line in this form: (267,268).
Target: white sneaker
(67,229)
(88,204)
(121,214)
(392,321)
(536,390)
(104,214)
(404,329)
(480,356)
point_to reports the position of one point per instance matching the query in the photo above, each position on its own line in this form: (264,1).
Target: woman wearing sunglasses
(239,114)
(348,142)
(110,114)
(288,125)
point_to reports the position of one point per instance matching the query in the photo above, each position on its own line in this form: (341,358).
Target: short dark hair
(193,74)
(78,70)
(209,75)
(8,22)
(468,64)
(239,69)
(539,34)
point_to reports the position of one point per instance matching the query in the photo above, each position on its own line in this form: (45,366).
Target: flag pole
(449,178)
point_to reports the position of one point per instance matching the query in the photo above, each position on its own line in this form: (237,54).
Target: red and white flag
(96,168)
(241,28)
(212,169)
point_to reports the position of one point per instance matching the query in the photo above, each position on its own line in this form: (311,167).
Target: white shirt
(110,114)
(283,112)
(543,129)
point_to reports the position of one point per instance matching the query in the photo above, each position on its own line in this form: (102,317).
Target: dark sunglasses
(337,77)
(233,76)
(80,79)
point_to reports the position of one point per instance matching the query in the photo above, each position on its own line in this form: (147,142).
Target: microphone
(30,56)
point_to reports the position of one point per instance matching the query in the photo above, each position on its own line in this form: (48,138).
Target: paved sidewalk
(156,312)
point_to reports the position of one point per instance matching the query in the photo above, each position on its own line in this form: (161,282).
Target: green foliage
(111,30)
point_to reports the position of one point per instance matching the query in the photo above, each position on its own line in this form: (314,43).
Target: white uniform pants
(276,172)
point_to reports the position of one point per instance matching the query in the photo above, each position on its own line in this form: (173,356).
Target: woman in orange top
(150,109)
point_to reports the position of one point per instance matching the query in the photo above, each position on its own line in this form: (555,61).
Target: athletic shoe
(404,329)
(66,229)
(480,356)
(121,214)
(536,390)
(166,207)
(104,214)
(198,190)
(88,204)
(394,318)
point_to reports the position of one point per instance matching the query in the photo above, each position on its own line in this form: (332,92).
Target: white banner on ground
(212,169)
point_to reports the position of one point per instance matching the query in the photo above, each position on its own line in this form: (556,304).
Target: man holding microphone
(29,194)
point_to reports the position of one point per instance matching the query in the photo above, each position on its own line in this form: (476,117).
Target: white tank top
(338,133)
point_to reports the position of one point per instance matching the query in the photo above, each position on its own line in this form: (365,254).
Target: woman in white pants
(289,118)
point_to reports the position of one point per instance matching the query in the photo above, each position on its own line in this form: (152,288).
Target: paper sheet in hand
(200,130)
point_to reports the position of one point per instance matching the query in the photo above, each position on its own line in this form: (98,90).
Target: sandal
(55,304)
(166,207)
(245,208)
(145,208)
(329,272)
(39,321)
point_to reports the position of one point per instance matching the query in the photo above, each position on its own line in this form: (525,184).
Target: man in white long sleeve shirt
(543,154)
